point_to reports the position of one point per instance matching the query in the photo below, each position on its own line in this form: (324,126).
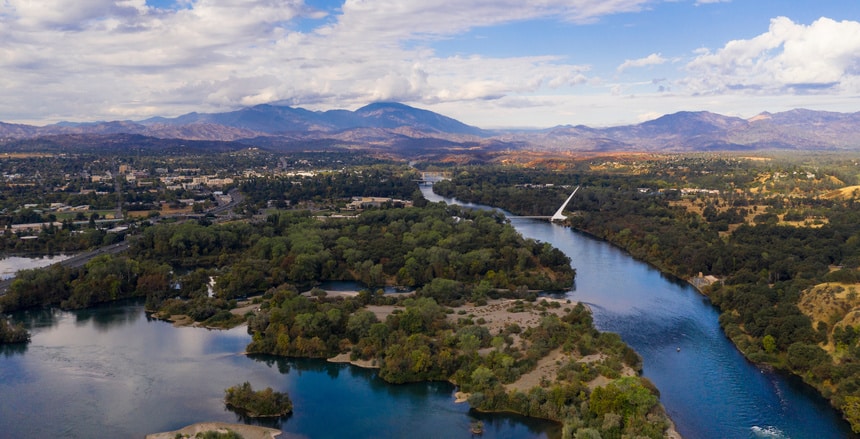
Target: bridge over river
(558,215)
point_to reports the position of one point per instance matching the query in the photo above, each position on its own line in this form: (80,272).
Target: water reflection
(269,421)
(277,423)
(367,406)
(37,318)
(337,286)
(10,350)
(106,317)
(9,265)
(283,366)
(496,424)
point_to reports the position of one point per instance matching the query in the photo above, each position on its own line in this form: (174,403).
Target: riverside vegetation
(449,255)
(257,404)
(12,333)
(780,235)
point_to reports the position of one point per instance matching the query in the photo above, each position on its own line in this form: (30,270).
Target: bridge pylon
(559,214)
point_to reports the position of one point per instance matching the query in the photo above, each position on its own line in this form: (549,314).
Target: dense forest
(331,186)
(764,229)
(411,247)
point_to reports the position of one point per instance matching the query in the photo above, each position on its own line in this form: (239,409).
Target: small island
(10,333)
(258,404)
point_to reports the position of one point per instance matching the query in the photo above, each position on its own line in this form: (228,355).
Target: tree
(769,344)
(625,396)
(482,377)
(851,408)
(802,357)
(10,333)
(359,323)
(257,404)
(587,433)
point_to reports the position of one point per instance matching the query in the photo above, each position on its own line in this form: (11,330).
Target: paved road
(236,197)
(77,261)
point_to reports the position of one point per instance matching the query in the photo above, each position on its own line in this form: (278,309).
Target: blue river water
(708,388)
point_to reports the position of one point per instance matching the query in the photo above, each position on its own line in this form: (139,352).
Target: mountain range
(403,129)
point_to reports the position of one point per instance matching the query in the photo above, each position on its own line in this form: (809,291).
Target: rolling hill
(406,130)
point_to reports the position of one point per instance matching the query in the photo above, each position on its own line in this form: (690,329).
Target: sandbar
(247,431)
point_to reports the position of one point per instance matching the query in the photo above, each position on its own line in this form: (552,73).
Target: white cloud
(423,19)
(650,60)
(109,59)
(104,59)
(817,58)
(597,110)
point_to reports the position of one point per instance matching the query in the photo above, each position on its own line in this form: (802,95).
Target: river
(111,371)
(708,388)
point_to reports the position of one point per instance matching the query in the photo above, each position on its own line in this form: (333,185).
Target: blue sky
(496,63)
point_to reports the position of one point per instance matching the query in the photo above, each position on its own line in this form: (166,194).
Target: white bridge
(559,214)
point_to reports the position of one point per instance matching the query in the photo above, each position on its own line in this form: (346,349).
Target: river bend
(708,388)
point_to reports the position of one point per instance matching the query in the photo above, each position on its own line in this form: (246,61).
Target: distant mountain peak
(396,115)
(383,105)
(690,123)
(401,126)
(761,116)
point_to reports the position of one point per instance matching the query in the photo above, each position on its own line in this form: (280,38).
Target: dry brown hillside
(845,192)
(835,304)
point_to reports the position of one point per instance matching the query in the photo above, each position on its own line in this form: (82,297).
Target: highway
(236,197)
(78,260)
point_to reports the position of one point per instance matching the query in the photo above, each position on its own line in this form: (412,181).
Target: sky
(487,63)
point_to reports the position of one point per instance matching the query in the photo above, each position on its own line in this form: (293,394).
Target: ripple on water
(694,365)
(767,432)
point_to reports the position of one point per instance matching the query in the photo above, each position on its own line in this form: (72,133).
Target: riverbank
(345,358)
(191,431)
(501,314)
(752,349)
(242,307)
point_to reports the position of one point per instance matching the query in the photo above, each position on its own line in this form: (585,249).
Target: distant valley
(401,130)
